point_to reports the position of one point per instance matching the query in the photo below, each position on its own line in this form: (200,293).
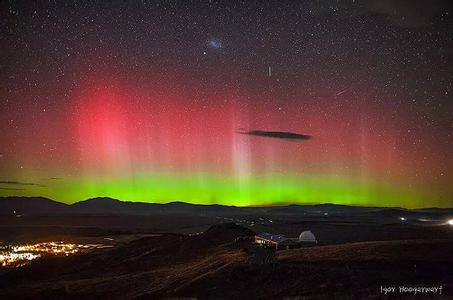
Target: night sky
(235,102)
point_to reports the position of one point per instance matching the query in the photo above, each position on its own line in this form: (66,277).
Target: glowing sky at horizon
(147,107)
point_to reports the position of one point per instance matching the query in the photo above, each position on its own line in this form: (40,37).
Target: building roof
(275,238)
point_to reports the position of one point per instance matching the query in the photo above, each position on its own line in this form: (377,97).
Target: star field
(145,101)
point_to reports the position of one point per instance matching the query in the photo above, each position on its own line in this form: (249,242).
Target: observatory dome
(307,237)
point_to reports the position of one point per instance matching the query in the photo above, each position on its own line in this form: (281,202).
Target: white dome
(307,236)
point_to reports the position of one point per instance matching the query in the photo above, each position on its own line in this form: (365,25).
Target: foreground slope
(217,264)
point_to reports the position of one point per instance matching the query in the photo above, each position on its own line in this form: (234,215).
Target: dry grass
(412,250)
(209,266)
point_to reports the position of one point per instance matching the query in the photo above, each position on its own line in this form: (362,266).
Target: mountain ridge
(107,205)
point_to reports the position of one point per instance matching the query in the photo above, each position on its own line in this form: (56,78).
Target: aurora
(162,113)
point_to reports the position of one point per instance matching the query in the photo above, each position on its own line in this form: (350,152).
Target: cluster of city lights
(49,247)
(441,222)
(17,259)
(19,255)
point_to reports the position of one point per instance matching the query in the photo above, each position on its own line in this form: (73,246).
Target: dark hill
(222,233)
(107,205)
(113,206)
(110,206)
(319,209)
(31,205)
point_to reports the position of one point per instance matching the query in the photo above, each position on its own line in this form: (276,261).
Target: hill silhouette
(110,206)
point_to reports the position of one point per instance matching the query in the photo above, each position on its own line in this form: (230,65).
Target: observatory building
(307,237)
(277,241)
(280,242)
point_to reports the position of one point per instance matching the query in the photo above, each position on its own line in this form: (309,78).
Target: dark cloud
(11,182)
(51,178)
(11,189)
(277,134)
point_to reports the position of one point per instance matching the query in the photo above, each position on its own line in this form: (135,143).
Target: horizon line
(278,204)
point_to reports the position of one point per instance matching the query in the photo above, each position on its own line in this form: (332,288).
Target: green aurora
(204,188)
